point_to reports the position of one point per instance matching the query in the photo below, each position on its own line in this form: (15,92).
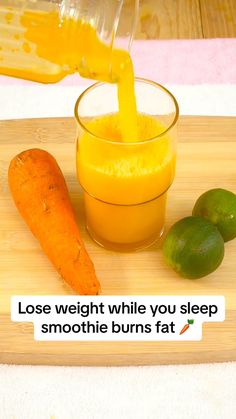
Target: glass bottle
(44,40)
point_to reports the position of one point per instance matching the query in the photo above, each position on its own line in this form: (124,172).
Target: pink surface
(211,61)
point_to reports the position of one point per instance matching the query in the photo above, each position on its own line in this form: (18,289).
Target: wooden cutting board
(206,159)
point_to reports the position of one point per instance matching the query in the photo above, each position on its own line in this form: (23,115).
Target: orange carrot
(186,326)
(41,196)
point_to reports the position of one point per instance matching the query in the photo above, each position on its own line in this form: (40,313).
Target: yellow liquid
(130,185)
(125,186)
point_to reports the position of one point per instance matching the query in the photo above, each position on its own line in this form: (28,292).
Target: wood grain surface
(169,19)
(206,159)
(185,19)
(218,18)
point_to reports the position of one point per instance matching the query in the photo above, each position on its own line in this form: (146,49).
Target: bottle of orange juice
(44,40)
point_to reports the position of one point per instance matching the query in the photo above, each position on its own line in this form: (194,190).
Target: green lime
(219,207)
(193,247)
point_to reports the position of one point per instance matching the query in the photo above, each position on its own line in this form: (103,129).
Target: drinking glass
(125,184)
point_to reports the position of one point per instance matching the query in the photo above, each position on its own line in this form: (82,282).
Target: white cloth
(156,392)
(160,392)
(38,101)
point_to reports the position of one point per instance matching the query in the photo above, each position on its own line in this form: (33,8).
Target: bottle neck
(95,28)
(126,23)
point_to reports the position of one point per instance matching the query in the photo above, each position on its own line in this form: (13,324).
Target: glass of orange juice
(125,183)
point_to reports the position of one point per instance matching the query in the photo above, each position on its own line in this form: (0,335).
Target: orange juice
(125,184)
